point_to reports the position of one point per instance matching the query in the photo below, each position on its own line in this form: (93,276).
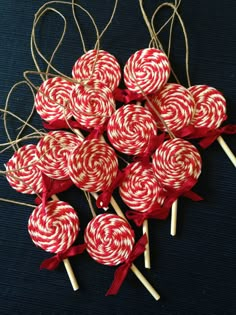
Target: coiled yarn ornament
(53,151)
(53,99)
(22,172)
(131,129)
(93,165)
(109,239)
(140,189)
(210,109)
(98,65)
(146,71)
(177,164)
(93,103)
(175,104)
(55,229)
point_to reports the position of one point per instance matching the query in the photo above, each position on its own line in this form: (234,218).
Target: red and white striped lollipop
(98,65)
(131,129)
(93,166)
(210,112)
(210,109)
(177,164)
(53,99)
(146,71)
(141,192)
(53,151)
(54,228)
(109,239)
(140,189)
(22,172)
(175,104)
(93,103)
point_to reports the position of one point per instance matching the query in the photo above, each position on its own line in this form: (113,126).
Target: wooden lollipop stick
(227,150)
(144,281)
(67,264)
(147,262)
(174,218)
(71,274)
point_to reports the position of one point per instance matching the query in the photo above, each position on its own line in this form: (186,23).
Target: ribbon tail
(50,264)
(193,196)
(119,277)
(206,142)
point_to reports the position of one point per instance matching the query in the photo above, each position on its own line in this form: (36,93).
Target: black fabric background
(194,272)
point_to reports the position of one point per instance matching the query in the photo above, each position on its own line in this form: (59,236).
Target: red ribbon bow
(53,262)
(156,212)
(153,144)
(121,271)
(51,187)
(211,135)
(126,96)
(105,197)
(61,124)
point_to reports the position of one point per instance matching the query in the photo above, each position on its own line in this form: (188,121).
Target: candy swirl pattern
(210,105)
(146,71)
(131,128)
(93,103)
(175,104)
(176,162)
(140,189)
(93,166)
(22,172)
(98,65)
(53,151)
(109,239)
(53,99)
(54,228)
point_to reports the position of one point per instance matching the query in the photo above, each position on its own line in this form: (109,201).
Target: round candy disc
(210,109)
(146,71)
(175,104)
(140,189)
(131,128)
(93,166)
(109,239)
(22,172)
(98,65)
(53,99)
(175,162)
(55,228)
(53,151)
(93,103)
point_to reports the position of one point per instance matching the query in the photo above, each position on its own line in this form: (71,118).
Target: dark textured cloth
(194,272)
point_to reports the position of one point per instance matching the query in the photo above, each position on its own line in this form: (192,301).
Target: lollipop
(93,103)
(22,172)
(174,103)
(98,65)
(55,230)
(210,112)
(53,100)
(110,241)
(140,189)
(146,71)
(141,192)
(53,151)
(93,165)
(131,129)
(177,166)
